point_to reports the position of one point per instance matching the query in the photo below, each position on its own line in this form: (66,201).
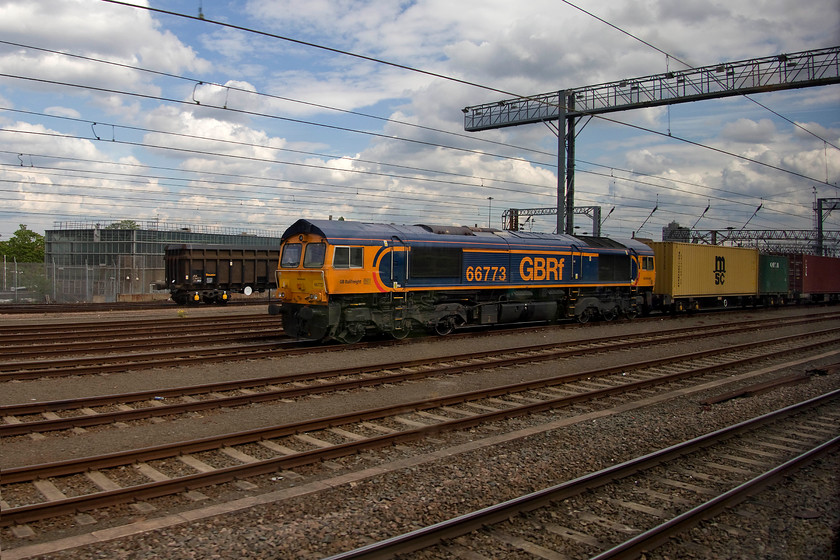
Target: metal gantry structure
(511,218)
(772,241)
(817,241)
(784,71)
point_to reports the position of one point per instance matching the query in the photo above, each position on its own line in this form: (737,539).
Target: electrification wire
(442,76)
(612,175)
(187,190)
(93,124)
(482,179)
(198,81)
(258,159)
(257,114)
(479,152)
(687,65)
(312,45)
(40,169)
(537,163)
(682,182)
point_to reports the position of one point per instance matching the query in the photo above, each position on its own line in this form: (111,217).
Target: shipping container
(773,280)
(814,277)
(689,276)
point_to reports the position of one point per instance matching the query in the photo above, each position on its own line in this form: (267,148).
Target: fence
(129,277)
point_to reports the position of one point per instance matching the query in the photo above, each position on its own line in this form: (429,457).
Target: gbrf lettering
(539,268)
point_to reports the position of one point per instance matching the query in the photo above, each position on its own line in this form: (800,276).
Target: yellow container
(689,270)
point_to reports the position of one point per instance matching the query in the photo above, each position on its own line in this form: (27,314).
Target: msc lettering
(720,270)
(538,269)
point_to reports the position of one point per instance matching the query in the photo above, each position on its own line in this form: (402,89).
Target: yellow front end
(304,287)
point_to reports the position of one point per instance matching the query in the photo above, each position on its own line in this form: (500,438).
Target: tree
(123,224)
(24,246)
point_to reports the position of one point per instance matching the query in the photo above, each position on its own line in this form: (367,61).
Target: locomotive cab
(302,288)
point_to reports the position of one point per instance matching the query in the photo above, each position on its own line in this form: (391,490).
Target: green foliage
(24,246)
(123,224)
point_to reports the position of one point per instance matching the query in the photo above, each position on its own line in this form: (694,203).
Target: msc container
(814,277)
(773,277)
(695,273)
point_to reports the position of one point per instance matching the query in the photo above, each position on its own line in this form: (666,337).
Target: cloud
(749,131)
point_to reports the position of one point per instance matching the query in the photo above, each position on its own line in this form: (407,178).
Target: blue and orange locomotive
(343,280)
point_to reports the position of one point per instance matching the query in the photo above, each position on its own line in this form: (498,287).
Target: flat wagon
(211,273)
(690,276)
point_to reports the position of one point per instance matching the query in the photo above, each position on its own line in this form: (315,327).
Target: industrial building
(124,260)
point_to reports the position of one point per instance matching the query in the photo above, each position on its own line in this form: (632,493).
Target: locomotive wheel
(610,314)
(445,326)
(351,333)
(585,316)
(400,334)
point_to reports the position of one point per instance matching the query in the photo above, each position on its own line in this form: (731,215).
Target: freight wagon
(211,273)
(814,278)
(773,279)
(690,277)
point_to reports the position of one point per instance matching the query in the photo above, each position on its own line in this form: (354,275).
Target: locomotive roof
(336,231)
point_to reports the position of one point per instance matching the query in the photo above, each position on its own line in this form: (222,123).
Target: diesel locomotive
(342,280)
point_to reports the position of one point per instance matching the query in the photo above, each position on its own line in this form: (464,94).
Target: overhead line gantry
(757,75)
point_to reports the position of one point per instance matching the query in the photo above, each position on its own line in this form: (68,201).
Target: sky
(248,115)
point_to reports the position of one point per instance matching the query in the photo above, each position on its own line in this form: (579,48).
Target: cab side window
(348,257)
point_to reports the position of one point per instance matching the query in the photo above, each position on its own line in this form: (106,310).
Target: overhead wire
(266,147)
(438,75)
(247,158)
(401,66)
(346,129)
(687,65)
(199,81)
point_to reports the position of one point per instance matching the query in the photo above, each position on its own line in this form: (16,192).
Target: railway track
(17,367)
(671,490)
(87,307)
(39,417)
(45,491)
(80,339)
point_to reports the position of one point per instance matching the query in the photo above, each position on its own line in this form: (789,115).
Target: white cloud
(749,131)
(527,48)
